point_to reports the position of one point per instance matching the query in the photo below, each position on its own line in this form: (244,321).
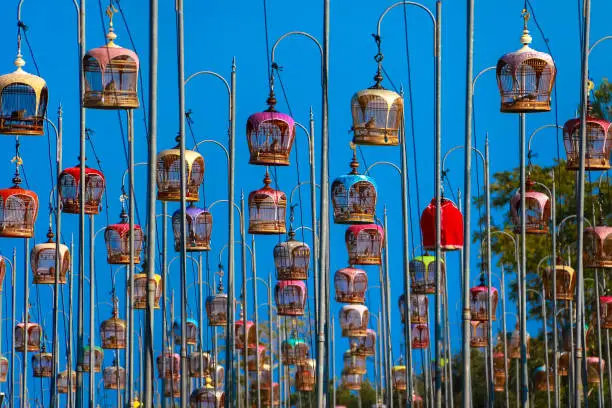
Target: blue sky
(215,32)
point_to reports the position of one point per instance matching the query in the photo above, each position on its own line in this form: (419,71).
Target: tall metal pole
(132,251)
(505,334)
(69,358)
(256,318)
(271,343)
(13,320)
(554,290)
(92,331)
(201,381)
(523,272)
(333,362)
(164,269)
(599,347)
(26,312)
(245,303)
(386,329)
(313,207)
(491,311)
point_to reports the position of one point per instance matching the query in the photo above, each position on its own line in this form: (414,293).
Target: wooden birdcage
(34,333)
(114,377)
(378,114)
(42,261)
(570,337)
(515,344)
(206,396)
(598,143)
(267,210)
(253,353)
(141,282)
(239,331)
(305,376)
(264,376)
(563,363)
(216,309)
(499,371)
(354,320)
(23,102)
(169,174)
(98,356)
(191,331)
(544,379)
(117,238)
(364,244)
(479,302)
(290,297)
(417,401)
(419,307)
(398,376)
(271,398)
(169,365)
(420,336)
(595,366)
(113,331)
(479,334)
(42,364)
(537,210)
(351,285)
(199,229)
(66,380)
(451,224)
(203,370)
(353,363)
(172,387)
(295,351)
(598,247)
(423,274)
(292,259)
(70,190)
(354,197)
(525,78)
(605,308)
(218,376)
(270,135)
(18,211)
(365,346)
(4,364)
(352,381)
(566,282)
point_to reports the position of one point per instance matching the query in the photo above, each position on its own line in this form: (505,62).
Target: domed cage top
(354,197)
(377,116)
(537,210)
(598,143)
(566,282)
(479,302)
(111,75)
(200,370)
(544,379)
(605,308)
(290,297)
(305,376)
(199,229)
(117,238)
(351,285)
(141,282)
(18,211)
(420,336)
(216,309)
(354,363)
(515,344)
(292,259)
(364,244)
(23,102)
(267,210)
(419,308)
(270,135)
(295,351)
(251,334)
(480,334)
(98,355)
(69,190)
(451,223)
(169,365)
(42,261)
(42,364)
(354,320)
(4,363)
(598,247)
(114,378)
(34,333)
(595,366)
(365,346)
(66,380)
(423,274)
(525,78)
(191,331)
(113,331)
(169,174)
(352,381)
(398,376)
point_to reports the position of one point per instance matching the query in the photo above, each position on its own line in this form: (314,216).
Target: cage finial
(354,163)
(50,235)
(267,180)
(291,232)
(378,58)
(220,273)
(526,37)
(111,36)
(18,162)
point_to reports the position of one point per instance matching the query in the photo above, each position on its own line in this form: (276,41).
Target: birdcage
(191,331)
(34,333)
(354,320)
(98,355)
(419,306)
(605,308)
(351,285)
(365,346)
(537,210)
(169,174)
(566,281)
(295,351)
(216,309)
(270,135)
(351,381)
(267,210)
(42,261)
(114,377)
(364,244)
(239,330)
(479,333)
(354,197)
(218,376)
(199,229)
(23,102)
(141,282)
(18,211)
(117,237)
(479,301)
(70,190)
(499,371)
(598,247)
(271,397)
(2,272)
(353,363)
(4,364)
(305,376)
(417,401)
(423,274)
(66,380)
(290,297)
(264,376)
(420,336)
(292,259)
(378,114)
(168,365)
(113,331)
(42,364)
(253,353)
(451,224)
(563,363)
(172,387)
(206,396)
(525,78)
(570,338)
(207,366)
(515,344)
(398,373)
(598,143)
(595,366)
(544,379)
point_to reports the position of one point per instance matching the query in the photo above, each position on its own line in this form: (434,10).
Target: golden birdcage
(169,174)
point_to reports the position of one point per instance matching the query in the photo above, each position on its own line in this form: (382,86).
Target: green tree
(602,100)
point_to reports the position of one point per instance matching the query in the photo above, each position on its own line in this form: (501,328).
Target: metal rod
(599,347)
(523,272)
(505,334)
(333,361)
(13,320)
(490,311)
(26,311)
(384,339)
(554,289)
(70,324)
(256,317)
(132,253)
(201,322)
(164,270)
(448,346)
(271,343)
(92,332)
(245,304)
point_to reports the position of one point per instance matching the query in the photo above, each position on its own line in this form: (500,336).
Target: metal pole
(389,348)
(26,309)
(70,331)
(449,380)
(313,206)
(379,355)
(92,331)
(599,348)
(571,388)
(608,359)
(333,362)
(13,320)
(554,290)
(491,311)
(245,304)
(132,250)
(256,317)
(523,272)
(201,321)
(505,334)
(271,343)
(383,286)
(543,299)
(279,338)
(164,263)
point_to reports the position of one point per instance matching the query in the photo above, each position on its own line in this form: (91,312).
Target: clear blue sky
(215,33)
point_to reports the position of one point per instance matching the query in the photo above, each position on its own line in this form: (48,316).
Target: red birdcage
(4,363)
(451,223)
(353,363)
(499,371)
(598,143)
(169,174)
(354,197)
(598,247)
(114,377)
(398,374)
(352,381)
(42,261)
(479,301)
(291,259)
(365,346)
(251,333)
(544,379)
(203,370)
(351,285)
(515,344)
(199,229)
(67,380)
(117,237)
(267,210)
(305,376)
(141,282)
(525,78)
(290,297)
(42,364)
(191,331)
(605,308)
(480,334)
(364,244)
(595,366)
(423,274)
(378,115)
(113,332)
(354,320)
(18,211)
(34,333)
(70,190)
(23,102)
(253,353)
(98,359)
(537,210)
(295,351)
(566,281)
(420,336)
(169,365)
(419,307)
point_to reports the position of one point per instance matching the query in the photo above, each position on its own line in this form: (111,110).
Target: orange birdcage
(114,377)
(113,331)
(69,189)
(117,238)
(42,261)
(34,333)
(354,320)
(351,285)
(305,376)
(267,210)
